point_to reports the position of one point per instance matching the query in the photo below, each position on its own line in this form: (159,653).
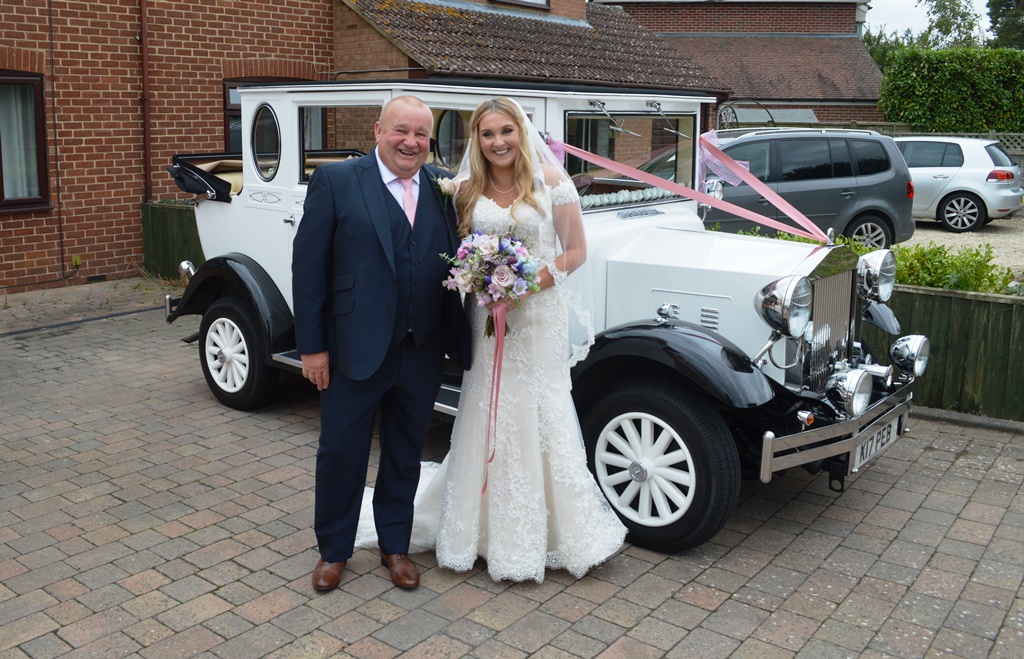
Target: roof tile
(833,68)
(466,39)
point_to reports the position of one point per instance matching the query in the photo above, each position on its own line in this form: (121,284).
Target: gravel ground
(1006,237)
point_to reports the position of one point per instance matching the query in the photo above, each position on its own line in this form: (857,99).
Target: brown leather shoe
(404,573)
(327,576)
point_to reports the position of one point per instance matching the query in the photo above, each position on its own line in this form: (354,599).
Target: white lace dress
(542,508)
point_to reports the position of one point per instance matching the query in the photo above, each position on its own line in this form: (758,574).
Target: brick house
(96,97)
(795,61)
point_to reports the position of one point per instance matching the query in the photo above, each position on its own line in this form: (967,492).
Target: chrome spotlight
(910,353)
(851,390)
(785,304)
(883,375)
(877,274)
(186,269)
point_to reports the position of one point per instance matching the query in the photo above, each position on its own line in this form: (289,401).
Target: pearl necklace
(497,189)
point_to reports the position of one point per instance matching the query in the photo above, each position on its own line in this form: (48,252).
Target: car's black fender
(676,351)
(238,274)
(882,317)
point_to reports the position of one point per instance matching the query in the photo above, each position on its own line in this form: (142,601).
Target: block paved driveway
(138,517)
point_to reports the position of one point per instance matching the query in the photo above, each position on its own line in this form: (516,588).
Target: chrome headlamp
(851,390)
(876,273)
(910,353)
(785,304)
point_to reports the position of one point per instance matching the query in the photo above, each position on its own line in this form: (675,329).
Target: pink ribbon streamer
(498,311)
(811,230)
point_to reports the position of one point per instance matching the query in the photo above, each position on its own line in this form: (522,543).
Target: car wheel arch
(241,276)
(673,352)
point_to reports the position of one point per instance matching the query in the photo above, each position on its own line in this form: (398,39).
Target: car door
(758,155)
(808,180)
(932,166)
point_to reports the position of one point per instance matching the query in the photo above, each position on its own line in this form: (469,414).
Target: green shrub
(935,266)
(967,269)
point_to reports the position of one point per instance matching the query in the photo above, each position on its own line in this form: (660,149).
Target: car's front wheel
(230,352)
(665,461)
(962,211)
(870,231)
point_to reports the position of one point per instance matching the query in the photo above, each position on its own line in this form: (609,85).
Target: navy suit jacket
(344,280)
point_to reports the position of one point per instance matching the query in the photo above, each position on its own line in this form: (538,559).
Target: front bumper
(841,438)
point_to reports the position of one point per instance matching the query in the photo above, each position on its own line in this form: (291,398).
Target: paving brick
(703,643)
(169,525)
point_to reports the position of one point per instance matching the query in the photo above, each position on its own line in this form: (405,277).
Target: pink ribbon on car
(811,230)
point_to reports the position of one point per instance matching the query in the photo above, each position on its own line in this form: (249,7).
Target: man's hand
(317,369)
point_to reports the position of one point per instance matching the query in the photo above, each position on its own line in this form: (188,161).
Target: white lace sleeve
(564,193)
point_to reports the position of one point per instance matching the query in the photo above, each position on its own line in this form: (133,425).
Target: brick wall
(575,9)
(97,148)
(799,17)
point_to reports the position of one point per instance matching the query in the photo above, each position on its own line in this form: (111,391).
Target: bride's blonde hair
(471,189)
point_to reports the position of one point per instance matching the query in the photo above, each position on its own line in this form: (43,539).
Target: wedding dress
(541,507)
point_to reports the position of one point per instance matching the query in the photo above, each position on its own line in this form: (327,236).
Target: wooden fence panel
(977,349)
(996,371)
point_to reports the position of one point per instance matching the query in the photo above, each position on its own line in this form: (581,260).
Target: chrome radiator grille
(833,330)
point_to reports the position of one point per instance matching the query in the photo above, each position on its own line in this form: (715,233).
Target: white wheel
(227,355)
(646,454)
(665,460)
(231,354)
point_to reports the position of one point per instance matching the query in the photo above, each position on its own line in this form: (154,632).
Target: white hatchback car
(962,182)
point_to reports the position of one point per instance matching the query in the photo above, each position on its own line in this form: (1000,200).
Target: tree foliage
(880,44)
(955,90)
(951,24)
(1007,21)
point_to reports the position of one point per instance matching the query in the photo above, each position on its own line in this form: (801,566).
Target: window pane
(662,146)
(871,157)
(19,152)
(841,163)
(804,160)
(954,156)
(266,142)
(757,155)
(999,157)
(330,134)
(923,154)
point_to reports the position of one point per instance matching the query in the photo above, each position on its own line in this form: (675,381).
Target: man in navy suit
(373,324)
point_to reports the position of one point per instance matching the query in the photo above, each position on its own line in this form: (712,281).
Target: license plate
(880,440)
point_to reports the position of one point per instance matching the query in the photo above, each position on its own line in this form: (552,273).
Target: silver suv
(962,182)
(854,182)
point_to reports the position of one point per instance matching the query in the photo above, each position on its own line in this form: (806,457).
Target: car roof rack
(732,133)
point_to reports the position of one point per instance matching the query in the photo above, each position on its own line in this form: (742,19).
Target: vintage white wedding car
(717,354)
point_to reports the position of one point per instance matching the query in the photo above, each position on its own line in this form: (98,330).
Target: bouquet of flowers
(493,267)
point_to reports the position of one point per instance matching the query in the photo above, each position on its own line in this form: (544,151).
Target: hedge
(955,90)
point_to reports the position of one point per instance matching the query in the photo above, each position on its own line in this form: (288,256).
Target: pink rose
(503,276)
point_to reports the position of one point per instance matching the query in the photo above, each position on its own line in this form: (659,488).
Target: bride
(535,506)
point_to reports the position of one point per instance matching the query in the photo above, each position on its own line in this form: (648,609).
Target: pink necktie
(410,200)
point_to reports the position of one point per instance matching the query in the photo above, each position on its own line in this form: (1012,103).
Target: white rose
(447,186)
(464,280)
(486,244)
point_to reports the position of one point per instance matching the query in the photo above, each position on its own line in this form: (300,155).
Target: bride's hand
(509,303)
